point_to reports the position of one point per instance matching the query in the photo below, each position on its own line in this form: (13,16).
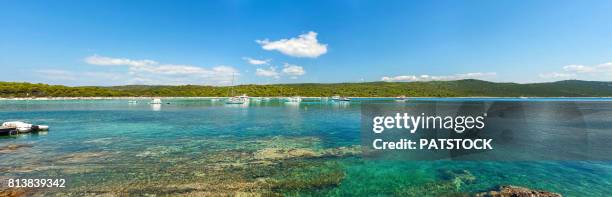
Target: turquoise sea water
(201,147)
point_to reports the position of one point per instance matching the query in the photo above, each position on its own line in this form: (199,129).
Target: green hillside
(460,88)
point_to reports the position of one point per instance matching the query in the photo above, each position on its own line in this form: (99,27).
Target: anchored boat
(295,99)
(238,99)
(22,127)
(156,101)
(339,98)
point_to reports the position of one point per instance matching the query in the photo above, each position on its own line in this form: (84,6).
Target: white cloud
(257,61)
(578,68)
(293,70)
(556,75)
(305,45)
(152,72)
(107,61)
(596,72)
(405,78)
(271,72)
(605,66)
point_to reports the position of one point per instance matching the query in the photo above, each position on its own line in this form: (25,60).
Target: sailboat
(236,99)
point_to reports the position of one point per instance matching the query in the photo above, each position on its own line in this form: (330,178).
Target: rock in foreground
(515,191)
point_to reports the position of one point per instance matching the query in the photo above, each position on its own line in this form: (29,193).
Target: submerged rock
(159,151)
(12,147)
(342,151)
(305,176)
(458,178)
(12,192)
(516,191)
(449,185)
(287,153)
(445,188)
(101,141)
(281,153)
(277,166)
(81,157)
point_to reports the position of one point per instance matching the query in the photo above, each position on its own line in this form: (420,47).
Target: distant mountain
(459,88)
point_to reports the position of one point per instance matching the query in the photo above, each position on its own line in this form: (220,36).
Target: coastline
(277,97)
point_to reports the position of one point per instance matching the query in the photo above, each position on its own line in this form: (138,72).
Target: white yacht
(346,99)
(238,99)
(295,99)
(156,101)
(339,98)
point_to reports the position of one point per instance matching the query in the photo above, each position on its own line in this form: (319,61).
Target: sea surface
(206,147)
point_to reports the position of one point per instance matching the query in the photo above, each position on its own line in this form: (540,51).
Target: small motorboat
(22,127)
(400,98)
(335,98)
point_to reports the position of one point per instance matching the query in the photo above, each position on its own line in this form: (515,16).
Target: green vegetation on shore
(459,88)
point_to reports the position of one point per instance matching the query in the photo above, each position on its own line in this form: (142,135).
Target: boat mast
(232,88)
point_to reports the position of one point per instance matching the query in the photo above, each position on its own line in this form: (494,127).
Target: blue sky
(206,42)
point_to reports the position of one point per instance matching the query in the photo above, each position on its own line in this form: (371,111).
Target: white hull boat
(238,99)
(22,127)
(156,102)
(295,99)
(345,99)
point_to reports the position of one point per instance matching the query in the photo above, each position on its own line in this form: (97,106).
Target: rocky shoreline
(274,166)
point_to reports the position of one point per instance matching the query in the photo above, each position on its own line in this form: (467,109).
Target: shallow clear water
(196,146)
